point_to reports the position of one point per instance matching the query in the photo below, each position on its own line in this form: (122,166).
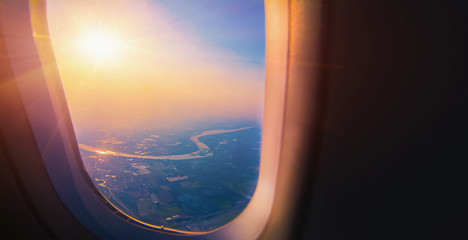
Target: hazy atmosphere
(166,99)
(141,63)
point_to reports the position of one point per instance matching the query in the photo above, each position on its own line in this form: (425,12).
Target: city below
(184,180)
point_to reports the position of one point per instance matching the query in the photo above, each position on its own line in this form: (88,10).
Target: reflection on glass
(166,98)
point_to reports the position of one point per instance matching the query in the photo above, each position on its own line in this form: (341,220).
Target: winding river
(202,152)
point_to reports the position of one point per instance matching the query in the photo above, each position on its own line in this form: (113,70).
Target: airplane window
(166,100)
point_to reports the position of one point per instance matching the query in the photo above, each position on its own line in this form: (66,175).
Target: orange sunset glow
(130,63)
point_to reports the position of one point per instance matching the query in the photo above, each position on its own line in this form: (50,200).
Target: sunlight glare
(101,45)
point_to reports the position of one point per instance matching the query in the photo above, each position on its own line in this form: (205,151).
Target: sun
(101,44)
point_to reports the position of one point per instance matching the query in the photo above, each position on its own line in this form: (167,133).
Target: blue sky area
(237,25)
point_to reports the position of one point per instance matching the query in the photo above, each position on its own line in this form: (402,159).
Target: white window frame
(41,91)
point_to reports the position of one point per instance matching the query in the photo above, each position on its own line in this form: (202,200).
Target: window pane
(166,99)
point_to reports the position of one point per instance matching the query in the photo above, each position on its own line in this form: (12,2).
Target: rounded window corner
(95,211)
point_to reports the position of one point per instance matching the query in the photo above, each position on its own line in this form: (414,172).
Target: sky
(159,64)
(237,25)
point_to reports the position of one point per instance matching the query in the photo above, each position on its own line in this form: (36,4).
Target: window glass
(166,99)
